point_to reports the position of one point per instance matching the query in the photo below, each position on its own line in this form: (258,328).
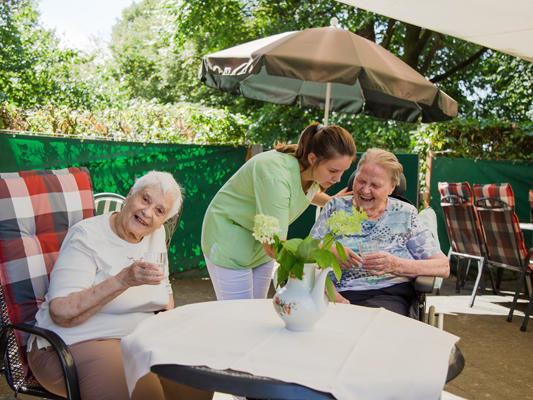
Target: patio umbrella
(331,69)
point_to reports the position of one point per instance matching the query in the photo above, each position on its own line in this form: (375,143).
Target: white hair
(166,182)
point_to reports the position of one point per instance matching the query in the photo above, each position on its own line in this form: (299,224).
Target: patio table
(353,352)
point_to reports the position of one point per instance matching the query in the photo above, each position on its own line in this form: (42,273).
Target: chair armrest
(424,284)
(65,356)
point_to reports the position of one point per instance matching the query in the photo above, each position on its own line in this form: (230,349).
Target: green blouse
(269,183)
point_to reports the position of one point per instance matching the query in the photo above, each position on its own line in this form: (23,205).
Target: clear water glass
(368,247)
(158,258)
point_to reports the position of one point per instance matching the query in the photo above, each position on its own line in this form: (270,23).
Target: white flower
(343,223)
(265,227)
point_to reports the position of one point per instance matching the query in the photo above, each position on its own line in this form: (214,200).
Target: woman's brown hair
(326,142)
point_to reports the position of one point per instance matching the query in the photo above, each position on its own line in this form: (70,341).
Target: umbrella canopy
(331,69)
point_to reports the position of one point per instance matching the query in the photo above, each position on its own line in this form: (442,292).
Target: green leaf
(340,251)
(292,244)
(298,269)
(306,249)
(329,288)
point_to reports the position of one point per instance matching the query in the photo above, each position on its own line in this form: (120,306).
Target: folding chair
(504,238)
(36,210)
(106,202)
(464,231)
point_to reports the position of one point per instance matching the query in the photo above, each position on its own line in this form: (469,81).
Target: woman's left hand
(381,263)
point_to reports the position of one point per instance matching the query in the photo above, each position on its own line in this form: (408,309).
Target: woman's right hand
(352,258)
(140,273)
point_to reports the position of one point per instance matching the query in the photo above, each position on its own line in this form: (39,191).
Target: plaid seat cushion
(500,191)
(36,210)
(462,221)
(504,238)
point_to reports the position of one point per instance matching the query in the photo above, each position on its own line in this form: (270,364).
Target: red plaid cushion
(504,238)
(462,222)
(461,189)
(36,210)
(500,191)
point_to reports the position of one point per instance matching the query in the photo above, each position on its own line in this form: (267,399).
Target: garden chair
(37,208)
(464,231)
(107,202)
(504,238)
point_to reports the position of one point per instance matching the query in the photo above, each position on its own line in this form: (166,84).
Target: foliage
(292,254)
(140,121)
(33,69)
(477,139)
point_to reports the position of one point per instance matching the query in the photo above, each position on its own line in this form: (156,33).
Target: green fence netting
(518,173)
(200,170)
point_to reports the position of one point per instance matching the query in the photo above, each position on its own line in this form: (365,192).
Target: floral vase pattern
(301,303)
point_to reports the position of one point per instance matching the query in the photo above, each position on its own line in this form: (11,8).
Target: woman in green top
(281,183)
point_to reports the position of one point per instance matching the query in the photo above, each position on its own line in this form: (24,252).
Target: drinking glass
(368,247)
(158,258)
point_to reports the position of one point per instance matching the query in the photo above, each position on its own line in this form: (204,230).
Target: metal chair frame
(485,206)
(450,203)
(12,366)
(13,359)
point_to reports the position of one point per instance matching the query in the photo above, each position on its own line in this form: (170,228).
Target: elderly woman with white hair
(102,287)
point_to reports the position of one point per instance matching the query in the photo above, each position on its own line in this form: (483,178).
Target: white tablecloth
(353,352)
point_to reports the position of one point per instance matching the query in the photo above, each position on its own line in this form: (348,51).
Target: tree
(33,69)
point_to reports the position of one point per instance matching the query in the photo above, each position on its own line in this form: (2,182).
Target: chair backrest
(501,229)
(462,221)
(36,210)
(105,202)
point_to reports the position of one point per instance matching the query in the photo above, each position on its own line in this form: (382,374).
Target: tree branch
(437,44)
(391,27)
(368,31)
(459,66)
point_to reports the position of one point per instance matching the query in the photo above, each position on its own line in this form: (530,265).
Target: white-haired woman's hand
(140,273)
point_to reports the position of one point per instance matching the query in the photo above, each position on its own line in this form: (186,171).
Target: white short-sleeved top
(90,254)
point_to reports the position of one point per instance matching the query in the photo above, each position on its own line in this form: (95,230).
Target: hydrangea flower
(265,227)
(342,223)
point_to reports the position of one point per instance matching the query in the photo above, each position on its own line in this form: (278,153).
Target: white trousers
(233,284)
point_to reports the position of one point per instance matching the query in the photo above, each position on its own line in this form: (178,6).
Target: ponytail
(326,142)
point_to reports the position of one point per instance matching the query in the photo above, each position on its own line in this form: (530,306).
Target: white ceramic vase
(301,303)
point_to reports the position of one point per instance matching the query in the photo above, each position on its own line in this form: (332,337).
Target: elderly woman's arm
(385,263)
(78,307)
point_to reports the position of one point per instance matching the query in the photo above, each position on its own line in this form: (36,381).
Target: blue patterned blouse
(398,231)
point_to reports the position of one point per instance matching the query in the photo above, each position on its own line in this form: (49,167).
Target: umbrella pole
(326,108)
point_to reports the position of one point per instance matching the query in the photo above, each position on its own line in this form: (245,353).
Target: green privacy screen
(200,170)
(518,173)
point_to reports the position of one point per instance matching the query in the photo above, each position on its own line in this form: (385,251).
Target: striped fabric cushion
(500,191)
(462,222)
(461,189)
(504,238)
(36,210)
